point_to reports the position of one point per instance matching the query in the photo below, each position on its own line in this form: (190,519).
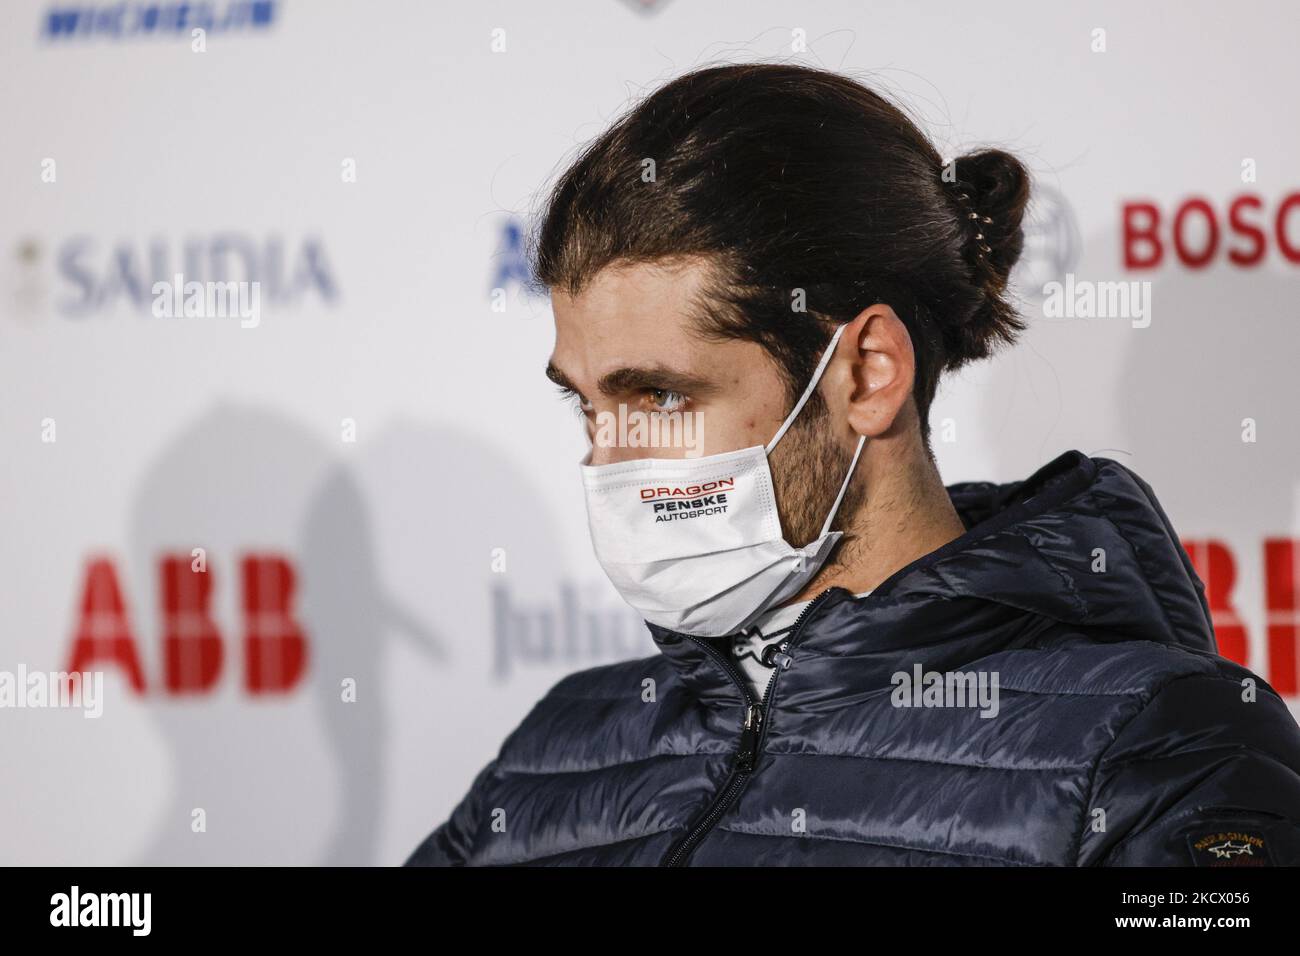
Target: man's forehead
(663,291)
(630,315)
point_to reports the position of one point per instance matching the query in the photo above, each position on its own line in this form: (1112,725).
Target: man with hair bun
(855,664)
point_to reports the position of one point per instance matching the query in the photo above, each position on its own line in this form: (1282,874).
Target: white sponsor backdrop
(175,434)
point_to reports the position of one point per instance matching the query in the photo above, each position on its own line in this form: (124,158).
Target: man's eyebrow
(629,379)
(558,377)
(653,378)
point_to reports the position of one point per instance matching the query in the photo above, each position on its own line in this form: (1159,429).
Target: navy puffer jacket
(1120,736)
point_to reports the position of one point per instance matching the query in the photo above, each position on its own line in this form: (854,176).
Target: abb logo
(1197,233)
(274,644)
(1216,566)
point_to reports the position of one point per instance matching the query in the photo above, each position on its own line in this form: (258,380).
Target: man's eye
(580,406)
(665,401)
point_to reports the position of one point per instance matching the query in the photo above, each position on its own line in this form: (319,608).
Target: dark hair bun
(998,185)
(991,191)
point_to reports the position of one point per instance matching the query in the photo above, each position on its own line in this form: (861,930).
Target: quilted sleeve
(1207,773)
(451,843)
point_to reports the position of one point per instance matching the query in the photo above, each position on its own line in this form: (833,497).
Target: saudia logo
(96,277)
(691,501)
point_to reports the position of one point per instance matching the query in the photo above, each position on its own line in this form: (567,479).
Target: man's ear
(877,369)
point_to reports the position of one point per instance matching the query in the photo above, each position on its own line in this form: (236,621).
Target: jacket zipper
(751,734)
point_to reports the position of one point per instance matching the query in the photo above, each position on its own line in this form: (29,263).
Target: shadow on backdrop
(245,480)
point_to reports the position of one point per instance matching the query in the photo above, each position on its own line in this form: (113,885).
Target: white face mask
(695,545)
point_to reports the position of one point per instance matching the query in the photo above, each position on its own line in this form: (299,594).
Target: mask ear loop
(807,392)
(798,407)
(862,440)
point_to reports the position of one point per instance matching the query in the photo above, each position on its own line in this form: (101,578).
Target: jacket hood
(1081,547)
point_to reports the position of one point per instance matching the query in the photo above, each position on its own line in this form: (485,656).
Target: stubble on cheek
(807,471)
